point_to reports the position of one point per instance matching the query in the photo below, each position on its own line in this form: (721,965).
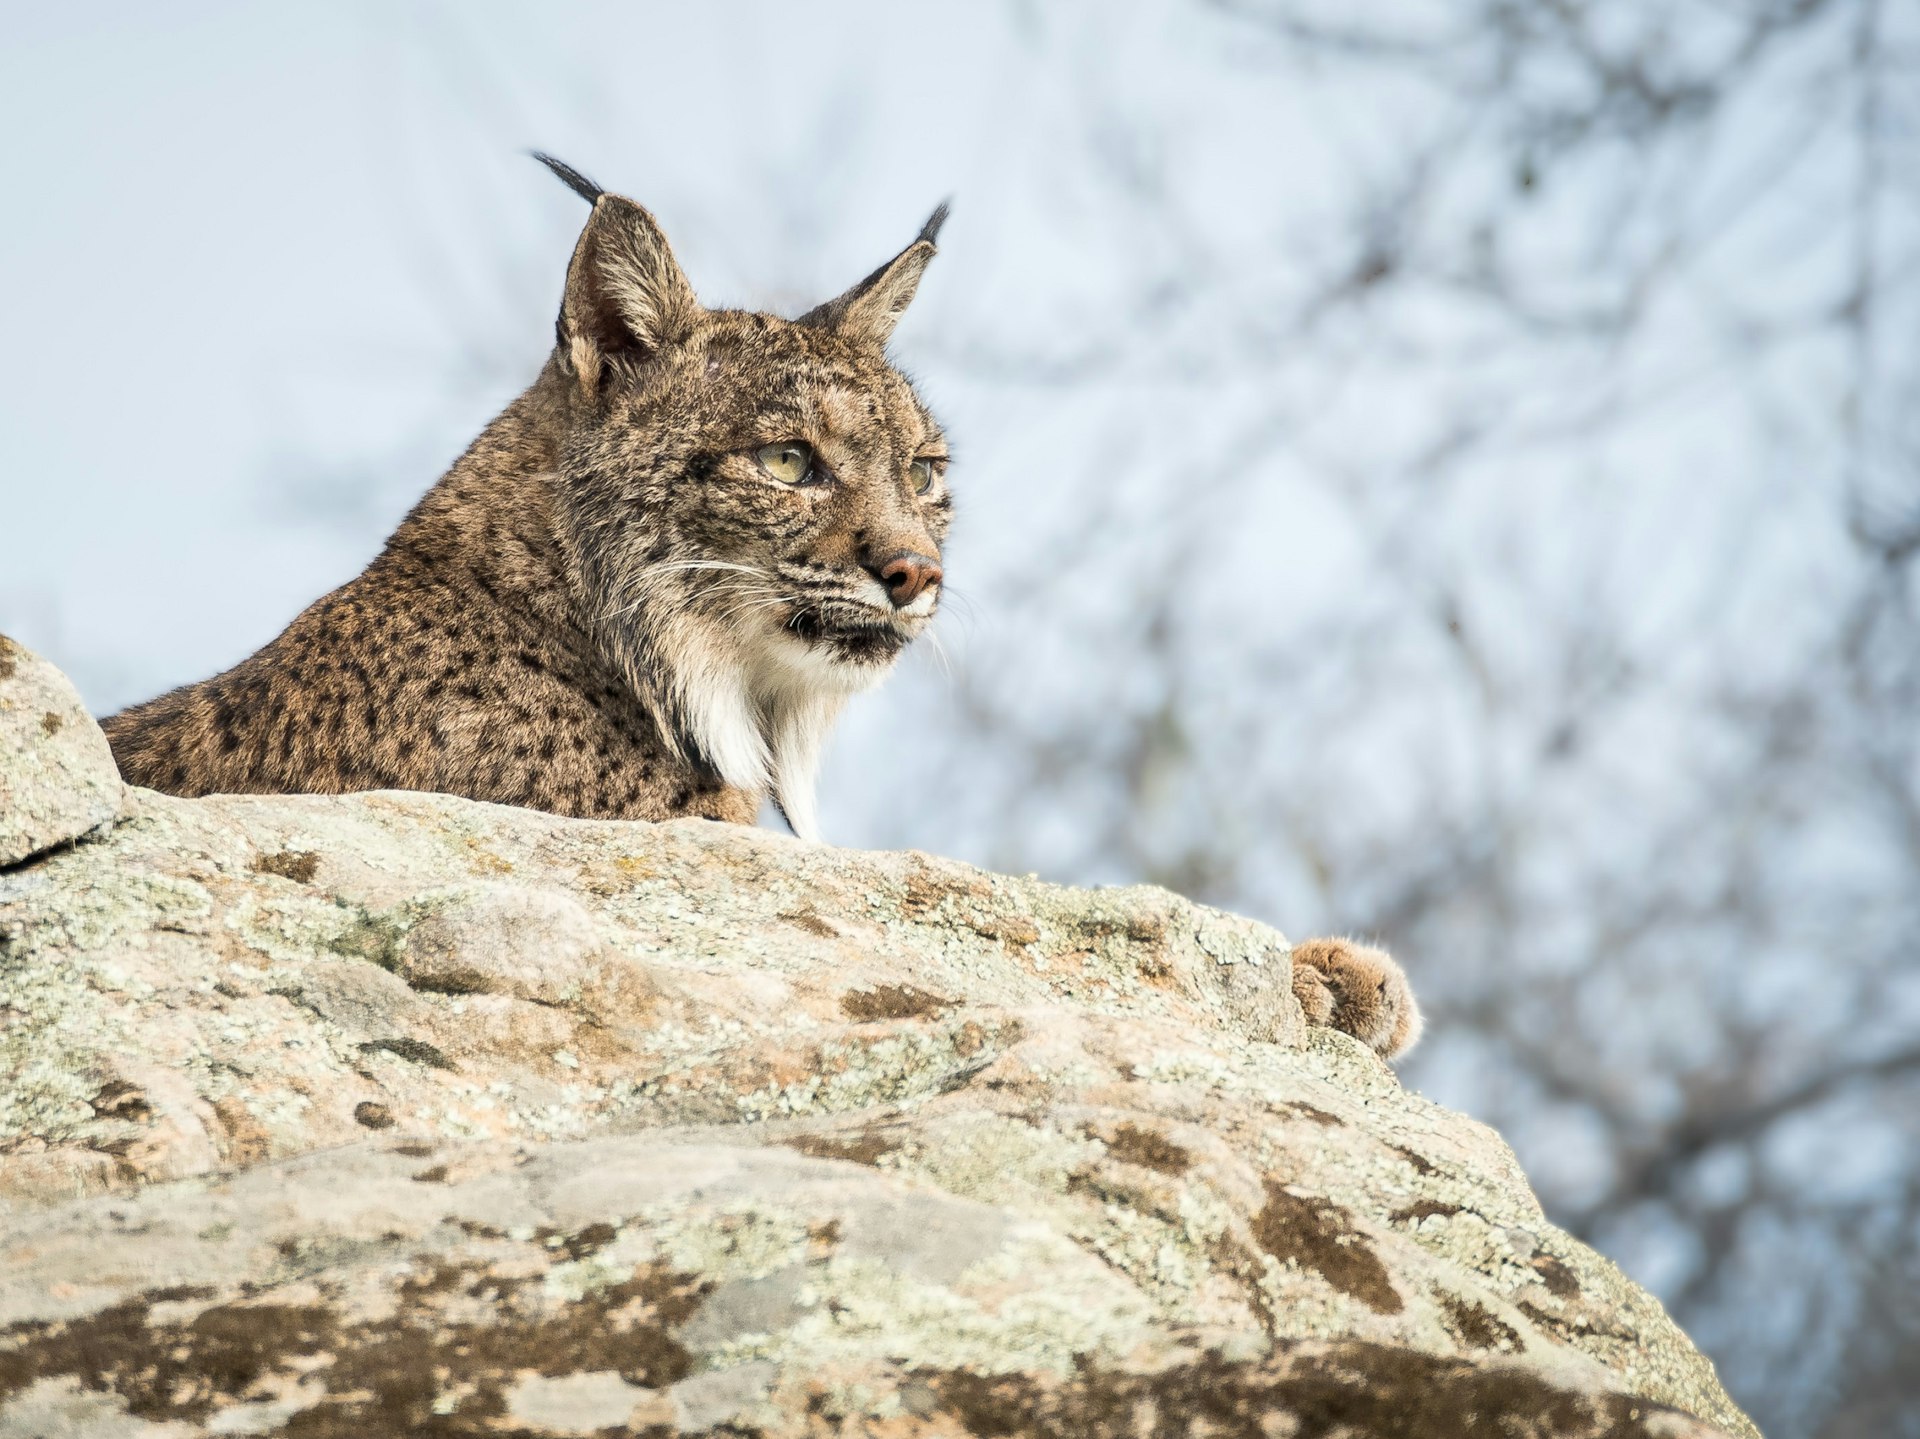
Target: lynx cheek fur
(647,588)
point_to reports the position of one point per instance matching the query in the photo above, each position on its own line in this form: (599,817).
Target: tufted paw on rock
(1358,990)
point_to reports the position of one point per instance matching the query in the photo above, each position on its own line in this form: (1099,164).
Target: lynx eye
(922,473)
(788,461)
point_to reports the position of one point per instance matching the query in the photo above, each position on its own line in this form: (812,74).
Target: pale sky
(268,269)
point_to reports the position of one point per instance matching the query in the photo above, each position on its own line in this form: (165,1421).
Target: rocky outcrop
(57,781)
(399,1114)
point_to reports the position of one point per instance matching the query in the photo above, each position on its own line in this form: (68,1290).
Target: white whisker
(660,571)
(673,566)
(939,652)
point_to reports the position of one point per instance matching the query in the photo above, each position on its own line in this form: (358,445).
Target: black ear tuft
(871,308)
(932,229)
(930,232)
(585,188)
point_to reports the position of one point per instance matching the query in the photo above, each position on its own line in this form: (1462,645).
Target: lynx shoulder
(646,590)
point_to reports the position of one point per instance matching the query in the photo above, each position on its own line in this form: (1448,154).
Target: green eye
(922,473)
(788,461)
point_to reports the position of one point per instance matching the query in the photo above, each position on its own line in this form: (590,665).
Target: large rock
(391,1114)
(57,776)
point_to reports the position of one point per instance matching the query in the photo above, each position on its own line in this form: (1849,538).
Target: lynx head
(753,507)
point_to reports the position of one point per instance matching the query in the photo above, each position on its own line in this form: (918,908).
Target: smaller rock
(528,943)
(360,999)
(581,1403)
(57,776)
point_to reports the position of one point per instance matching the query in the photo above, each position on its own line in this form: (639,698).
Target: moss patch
(1351,1390)
(1319,1236)
(1558,1278)
(1133,1145)
(1477,1326)
(868,1146)
(891,1001)
(431,1367)
(1423,1209)
(414,1051)
(298,865)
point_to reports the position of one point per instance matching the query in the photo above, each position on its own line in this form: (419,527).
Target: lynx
(646,590)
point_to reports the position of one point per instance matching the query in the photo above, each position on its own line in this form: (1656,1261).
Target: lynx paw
(1358,990)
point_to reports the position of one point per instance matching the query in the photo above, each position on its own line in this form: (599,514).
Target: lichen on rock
(57,777)
(397,1113)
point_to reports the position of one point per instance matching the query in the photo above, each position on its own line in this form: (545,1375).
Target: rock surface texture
(57,779)
(396,1114)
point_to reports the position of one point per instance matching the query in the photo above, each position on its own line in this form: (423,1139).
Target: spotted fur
(609,607)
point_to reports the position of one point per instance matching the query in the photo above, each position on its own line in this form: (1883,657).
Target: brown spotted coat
(610,606)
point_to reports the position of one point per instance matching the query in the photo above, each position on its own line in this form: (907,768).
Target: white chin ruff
(764,718)
(811,664)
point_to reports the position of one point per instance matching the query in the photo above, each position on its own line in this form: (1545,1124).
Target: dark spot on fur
(50,723)
(1319,1236)
(891,1001)
(436,1175)
(298,865)
(373,1114)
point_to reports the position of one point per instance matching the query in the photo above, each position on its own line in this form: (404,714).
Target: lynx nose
(907,576)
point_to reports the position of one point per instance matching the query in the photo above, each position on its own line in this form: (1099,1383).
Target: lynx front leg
(1358,990)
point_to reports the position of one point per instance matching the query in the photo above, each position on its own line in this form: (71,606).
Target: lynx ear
(871,309)
(626,295)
